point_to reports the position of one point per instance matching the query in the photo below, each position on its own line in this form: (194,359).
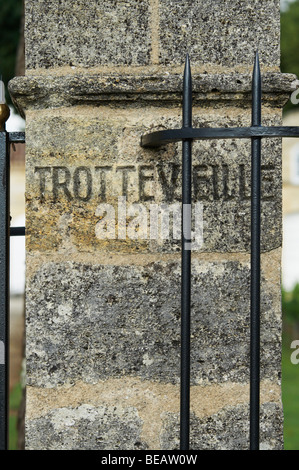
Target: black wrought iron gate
(186,135)
(6,139)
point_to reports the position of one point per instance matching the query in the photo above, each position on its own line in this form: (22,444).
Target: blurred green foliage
(290,380)
(290,305)
(290,38)
(15,399)
(10,23)
(290,371)
(290,300)
(289,43)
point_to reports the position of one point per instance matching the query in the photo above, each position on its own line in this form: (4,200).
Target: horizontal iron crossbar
(17,231)
(16,137)
(155,139)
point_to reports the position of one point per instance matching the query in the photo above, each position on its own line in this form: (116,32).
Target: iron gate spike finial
(187,94)
(255,261)
(256,92)
(186,261)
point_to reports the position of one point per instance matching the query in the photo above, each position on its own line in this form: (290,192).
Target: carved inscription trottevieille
(143,182)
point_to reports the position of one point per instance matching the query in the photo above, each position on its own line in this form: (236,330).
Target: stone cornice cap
(45,91)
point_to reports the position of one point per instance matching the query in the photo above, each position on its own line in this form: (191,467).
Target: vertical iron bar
(4,288)
(255,260)
(186,262)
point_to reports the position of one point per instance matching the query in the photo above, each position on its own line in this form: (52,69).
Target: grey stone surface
(227,430)
(116,428)
(92,88)
(91,322)
(226,32)
(86,428)
(88,34)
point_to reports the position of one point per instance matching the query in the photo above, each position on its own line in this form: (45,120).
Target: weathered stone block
(66,429)
(225,33)
(138,33)
(87,34)
(209,433)
(91,322)
(103,161)
(116,428)
(152,410)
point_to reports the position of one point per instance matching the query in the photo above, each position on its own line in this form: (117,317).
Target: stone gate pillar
(102,292)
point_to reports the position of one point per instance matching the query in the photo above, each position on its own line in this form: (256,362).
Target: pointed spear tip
(187,94)
(256,92)
(257,58)
(187,65)
(187,61)
(256,68)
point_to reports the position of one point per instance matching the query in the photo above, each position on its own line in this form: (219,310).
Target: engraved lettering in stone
(125,177)
(168,179)
(267,182)
(82,180)
(227,190)
(61,178)
(210,182)
(244,185)
(215,176)
(268,186)
(201,182)
(42,172)
(146,183)
(103,170)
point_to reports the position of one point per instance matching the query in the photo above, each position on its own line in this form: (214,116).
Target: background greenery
(289,42)
(290,371)
(10,25)
(290,300)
